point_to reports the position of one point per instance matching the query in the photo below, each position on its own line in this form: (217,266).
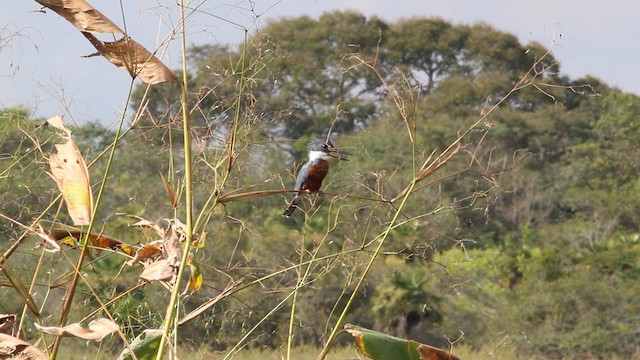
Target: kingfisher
(312,173)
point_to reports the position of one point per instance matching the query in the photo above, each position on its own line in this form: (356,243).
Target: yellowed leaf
(158,271)
(195,275)
(97,329)
(14,348)
(71,236)
(82,15)
(70,172)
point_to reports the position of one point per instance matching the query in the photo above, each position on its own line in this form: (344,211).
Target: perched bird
(312,173)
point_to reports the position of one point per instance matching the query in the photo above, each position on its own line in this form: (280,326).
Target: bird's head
(323,148)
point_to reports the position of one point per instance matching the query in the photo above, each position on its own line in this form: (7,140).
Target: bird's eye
(324,146)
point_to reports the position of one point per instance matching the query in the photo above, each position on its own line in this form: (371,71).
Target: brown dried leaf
(7,321)
(133,57)
(124,53)
(144,223)
(70,172)
(14,348)
(57,123)
(146,252)
(98,240)
(171,249)
(98,329)
(158,271)
(82,15)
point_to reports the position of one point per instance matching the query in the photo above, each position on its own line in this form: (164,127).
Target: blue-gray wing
(303,174)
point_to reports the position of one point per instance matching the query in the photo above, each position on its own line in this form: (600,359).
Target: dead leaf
(57,123)
(7,321)
(144,223)
(145,252)
(171,193)
(127,54)
(98,329)
(70,172)
(50,245)
(14,348)
(158,271)
(82,15)
(171,249)
(124,53)
(71,236)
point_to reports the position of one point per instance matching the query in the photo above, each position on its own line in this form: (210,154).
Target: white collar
(317,155)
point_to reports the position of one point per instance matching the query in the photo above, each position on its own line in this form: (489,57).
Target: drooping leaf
(71,236)
(380,346)
(82,15)
(125,53)
(157,226)
(70,172)
(171,192)
(14,348)
(171,249)
(195,275)
(97,329)
(158,271)
(144,346)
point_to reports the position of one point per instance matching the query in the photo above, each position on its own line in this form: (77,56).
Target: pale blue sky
(41,64)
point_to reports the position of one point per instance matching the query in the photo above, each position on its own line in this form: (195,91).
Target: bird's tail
(292,207)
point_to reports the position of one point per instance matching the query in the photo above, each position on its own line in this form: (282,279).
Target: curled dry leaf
(7,321)
(50,244)
(71,236)
(70,172)
(171,249)
(82,15)
(14,348)
(144,223)
(98,329)
(127,54)
(124,53)
(146,251)
(158,271)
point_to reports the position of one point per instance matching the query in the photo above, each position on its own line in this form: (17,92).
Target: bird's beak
(338,154)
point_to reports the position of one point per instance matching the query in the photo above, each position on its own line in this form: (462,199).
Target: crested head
(322,148)
(319,144)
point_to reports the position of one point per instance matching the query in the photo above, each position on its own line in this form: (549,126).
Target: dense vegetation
(527,238)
